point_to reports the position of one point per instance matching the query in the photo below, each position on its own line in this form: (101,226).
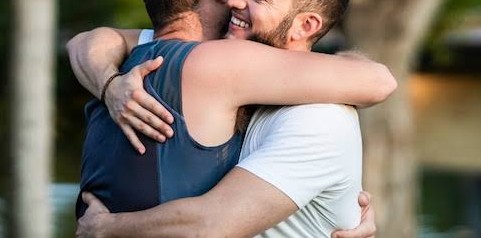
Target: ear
(305,25)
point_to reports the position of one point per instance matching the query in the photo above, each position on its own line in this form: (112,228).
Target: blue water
(63,197)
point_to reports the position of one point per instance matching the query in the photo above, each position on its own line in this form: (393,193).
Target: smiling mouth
(238,22)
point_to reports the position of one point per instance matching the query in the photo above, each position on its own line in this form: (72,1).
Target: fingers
(132,137)
(364,199)
(149,66)
(152,105)
(368,215)
(162,129)
(362,231)
(367,228)
(143,127)
(367,211)
(88,198)
(91,200)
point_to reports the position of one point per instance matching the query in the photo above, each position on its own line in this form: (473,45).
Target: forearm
(265,75)
(316,78)
(383,85)
(95,56)
(240,205)
(180,218)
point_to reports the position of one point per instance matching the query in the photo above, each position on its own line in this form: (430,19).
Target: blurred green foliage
(4,115)
(451,15)
(74,17)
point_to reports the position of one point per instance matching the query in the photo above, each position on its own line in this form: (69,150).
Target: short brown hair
(332,11)
(164,12)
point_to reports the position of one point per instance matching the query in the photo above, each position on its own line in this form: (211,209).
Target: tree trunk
(32,78)
(390,31)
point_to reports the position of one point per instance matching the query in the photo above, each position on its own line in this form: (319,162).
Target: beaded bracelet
(106,85)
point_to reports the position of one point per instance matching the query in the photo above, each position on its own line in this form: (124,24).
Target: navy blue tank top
(126,181)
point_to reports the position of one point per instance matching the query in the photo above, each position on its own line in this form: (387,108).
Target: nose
(236,4)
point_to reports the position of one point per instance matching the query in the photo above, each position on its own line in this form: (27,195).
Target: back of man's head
(331,11)
(164,12)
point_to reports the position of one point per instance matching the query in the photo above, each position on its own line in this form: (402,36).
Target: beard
(214,27)
(277,37)
(223,26)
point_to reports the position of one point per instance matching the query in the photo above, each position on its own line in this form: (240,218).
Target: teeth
(238,22)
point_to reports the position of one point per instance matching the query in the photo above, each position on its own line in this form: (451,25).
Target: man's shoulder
(319,122)
(227,52)
(174,52)
(163,46)
(310,113)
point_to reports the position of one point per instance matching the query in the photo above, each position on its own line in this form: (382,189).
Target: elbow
(384,85)
(86,36)
(73,43)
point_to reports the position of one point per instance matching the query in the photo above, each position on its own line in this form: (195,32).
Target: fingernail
(170,133)
(141,150)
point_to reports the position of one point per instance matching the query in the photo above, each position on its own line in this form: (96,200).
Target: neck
(298,46)
(187,27)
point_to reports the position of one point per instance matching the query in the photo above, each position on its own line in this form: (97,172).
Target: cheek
(264,21)
(218,14)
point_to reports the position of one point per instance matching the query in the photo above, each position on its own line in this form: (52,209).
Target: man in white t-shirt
(311,153)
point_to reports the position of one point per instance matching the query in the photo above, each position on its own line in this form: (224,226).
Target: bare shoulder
(224,60)
(226,50)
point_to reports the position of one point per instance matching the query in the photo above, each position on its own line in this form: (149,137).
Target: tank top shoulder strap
(167,80)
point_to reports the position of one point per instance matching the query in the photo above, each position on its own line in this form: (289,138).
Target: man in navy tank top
(207,142)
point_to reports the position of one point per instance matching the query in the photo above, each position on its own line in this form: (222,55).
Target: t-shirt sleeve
(302,153)
(145,36)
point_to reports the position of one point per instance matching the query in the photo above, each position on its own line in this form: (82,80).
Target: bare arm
(258,74)
(219,213)
(95,56)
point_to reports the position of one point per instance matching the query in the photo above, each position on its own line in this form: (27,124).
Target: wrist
(107,84)
(103,75)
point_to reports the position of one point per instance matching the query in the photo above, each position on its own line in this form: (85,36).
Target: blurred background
(422,146)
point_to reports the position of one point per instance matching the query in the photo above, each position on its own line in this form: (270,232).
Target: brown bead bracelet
(106,85)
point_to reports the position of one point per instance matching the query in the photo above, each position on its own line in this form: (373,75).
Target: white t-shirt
(145,36)
(313,154)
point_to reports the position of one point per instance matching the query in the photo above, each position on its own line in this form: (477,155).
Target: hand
(131,107)
(91,224)
(367,228)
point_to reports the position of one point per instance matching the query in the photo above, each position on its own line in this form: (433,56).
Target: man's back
(313,154)
(181,167)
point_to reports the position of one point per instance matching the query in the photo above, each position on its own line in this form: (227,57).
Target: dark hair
(164,12)
(332,11)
